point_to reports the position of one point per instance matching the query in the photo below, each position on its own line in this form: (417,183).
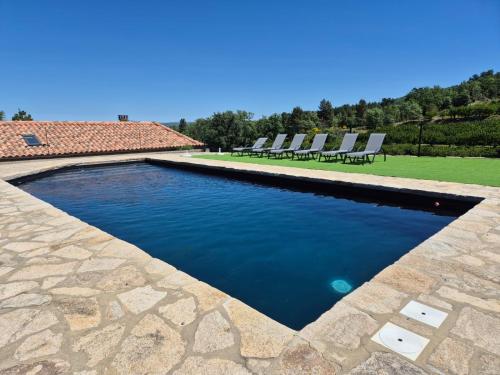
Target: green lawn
(466,170)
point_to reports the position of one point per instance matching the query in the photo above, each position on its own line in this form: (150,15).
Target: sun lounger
(373,147)
(258,144)
(277,144)
(347,146)
(297,141)
(316,147)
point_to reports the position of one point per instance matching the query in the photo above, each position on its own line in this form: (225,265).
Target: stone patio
(75,300)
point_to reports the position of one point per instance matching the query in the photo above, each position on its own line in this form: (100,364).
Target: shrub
(478,110)
(470,133)
(441,150)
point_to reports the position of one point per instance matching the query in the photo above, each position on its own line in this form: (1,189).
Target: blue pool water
(289,254)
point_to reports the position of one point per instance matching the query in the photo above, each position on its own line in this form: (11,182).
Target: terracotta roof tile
(87,137)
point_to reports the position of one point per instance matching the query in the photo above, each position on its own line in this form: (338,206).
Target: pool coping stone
(76,300)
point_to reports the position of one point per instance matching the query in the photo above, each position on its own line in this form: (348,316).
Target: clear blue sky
(162,60)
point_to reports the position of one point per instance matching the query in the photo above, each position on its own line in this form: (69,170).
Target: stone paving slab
(76,300)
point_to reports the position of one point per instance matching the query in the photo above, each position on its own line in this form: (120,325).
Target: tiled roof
(82,137)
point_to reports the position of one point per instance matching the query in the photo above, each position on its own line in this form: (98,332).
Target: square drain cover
(400,340)
(424,314)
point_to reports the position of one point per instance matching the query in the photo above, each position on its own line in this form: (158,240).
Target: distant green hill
(460,120)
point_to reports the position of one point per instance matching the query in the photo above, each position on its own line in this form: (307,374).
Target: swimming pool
(289,253)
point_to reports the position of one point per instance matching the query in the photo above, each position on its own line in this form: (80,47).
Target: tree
(360,113)
(326,113)
(391,114)
(410,110)
(361,109)
(351,123)
(22,116)
(237,128)
(447,102)
(476,92)
(387,102)
(374,117)
(462,98)
(2,115)
(490,84)
(224,129)
(183,125)
(296,115)
(427,96)
(270,126)
(430,111)
(300,121)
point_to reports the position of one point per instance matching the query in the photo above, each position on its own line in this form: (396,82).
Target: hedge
(443,150)
(469,133)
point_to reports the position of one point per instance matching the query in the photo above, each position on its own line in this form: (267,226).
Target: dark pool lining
(356,192)
(424,201)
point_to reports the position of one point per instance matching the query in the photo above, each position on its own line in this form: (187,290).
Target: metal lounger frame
(373,148)
(316,147)
(346,146)
(278,142)
(241,150)
(297,141)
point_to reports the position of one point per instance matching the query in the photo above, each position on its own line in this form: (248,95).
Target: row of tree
(19,116)
(474,98)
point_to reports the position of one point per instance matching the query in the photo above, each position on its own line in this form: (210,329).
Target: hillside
(460,120)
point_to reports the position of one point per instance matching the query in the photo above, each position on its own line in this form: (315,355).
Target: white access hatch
(424,314)
(401,341)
